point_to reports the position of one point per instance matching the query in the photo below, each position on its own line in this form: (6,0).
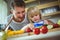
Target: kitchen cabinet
(50,5)
(28,1)
(59,2)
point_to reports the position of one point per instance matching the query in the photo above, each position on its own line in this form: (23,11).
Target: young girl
(35,18)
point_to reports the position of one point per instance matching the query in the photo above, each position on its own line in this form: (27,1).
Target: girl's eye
(35,15)
(32,16)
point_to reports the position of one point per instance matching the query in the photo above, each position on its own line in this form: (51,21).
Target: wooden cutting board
(31,33)
(53,30)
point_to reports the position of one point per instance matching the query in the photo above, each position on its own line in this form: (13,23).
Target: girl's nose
(35,17)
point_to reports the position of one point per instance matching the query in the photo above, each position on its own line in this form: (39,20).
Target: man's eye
(23,11)
(18,12)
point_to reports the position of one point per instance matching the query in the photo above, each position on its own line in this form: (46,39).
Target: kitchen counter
(53,34)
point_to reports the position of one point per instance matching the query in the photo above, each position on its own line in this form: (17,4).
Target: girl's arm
(28,26)
(24,28)
(48,22)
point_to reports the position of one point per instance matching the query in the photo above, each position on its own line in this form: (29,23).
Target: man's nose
(21,15)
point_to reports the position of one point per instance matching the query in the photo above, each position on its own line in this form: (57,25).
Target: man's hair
(18,3)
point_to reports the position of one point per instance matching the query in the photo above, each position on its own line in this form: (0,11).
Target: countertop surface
(53,34)
(40,36)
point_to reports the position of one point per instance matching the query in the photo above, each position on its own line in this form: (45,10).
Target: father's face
(19,13)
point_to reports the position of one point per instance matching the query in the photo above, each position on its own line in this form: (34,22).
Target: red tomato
(55,25)
(28,30)
(44,29)
(36,31)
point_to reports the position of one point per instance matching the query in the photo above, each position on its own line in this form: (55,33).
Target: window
(3,12)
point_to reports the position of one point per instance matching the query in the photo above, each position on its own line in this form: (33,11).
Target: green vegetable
(58,22)
(4,36)
(50,26)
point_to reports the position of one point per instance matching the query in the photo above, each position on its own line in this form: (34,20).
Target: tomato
(55,25)
(44,29)
(36,31)
(28,30)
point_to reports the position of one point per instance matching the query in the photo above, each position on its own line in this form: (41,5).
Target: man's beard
(19,19)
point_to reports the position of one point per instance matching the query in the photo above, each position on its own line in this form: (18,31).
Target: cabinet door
(46,1)
(59,2)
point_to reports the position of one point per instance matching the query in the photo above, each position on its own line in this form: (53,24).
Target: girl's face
(35,17)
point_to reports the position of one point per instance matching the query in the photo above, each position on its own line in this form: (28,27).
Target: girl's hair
(33,11)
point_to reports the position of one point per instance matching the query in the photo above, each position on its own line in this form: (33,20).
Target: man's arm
(3,27)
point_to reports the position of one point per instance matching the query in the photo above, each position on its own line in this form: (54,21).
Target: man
(19,19)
